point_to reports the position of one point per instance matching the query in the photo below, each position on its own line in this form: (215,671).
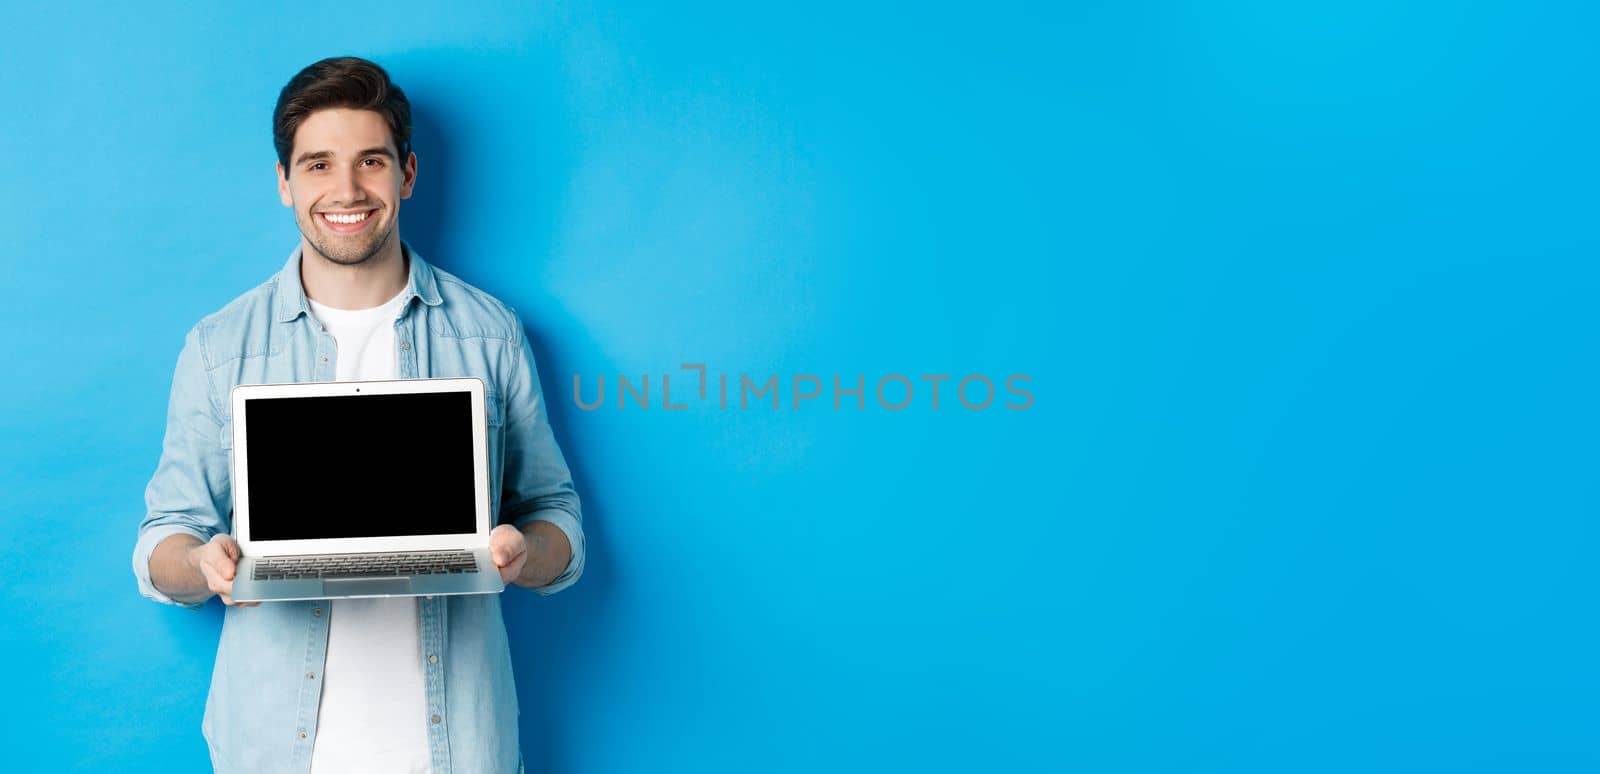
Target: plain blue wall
(1306,291)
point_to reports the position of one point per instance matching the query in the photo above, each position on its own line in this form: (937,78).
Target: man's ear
(283,188)
(410,173)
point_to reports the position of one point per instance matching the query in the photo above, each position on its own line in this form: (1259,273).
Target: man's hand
(216,561)
(509,550)
(531,557)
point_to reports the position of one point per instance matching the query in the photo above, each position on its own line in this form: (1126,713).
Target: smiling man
(353,685)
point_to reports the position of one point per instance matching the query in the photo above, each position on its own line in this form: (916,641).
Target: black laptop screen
(351,466)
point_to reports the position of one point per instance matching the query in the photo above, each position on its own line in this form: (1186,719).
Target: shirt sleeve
(537,485)
(191,490)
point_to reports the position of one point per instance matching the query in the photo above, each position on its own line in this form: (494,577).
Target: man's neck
(363,286)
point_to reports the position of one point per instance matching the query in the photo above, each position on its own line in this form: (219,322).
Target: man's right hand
(216,561)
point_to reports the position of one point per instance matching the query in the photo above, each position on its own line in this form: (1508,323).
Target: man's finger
(215,579)
(221,565)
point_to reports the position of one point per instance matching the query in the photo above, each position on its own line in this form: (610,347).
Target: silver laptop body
(361,489)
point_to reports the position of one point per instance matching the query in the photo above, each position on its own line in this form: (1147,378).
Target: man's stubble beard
(348,258)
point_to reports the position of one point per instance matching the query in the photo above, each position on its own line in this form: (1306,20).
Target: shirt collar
(292,294)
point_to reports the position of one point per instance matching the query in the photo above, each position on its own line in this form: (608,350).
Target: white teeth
(356,218)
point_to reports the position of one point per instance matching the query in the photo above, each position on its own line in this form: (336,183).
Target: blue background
(1306,291)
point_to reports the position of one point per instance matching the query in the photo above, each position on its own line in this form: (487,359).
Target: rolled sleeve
(537,485)
(190,492)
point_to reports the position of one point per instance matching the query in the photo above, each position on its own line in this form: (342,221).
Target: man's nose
(347,189)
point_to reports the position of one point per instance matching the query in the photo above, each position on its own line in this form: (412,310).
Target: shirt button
(311,675)
(302,734)
(324,358)
(405,345)
(316,611)
(433,658)
(436,719)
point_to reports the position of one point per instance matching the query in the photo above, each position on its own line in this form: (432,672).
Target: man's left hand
(509,550)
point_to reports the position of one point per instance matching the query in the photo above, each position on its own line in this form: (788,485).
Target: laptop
(361,489)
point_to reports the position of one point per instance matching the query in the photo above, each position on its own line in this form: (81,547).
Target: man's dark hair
(340,82)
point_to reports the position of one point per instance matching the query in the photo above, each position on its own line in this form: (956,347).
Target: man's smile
(346,221)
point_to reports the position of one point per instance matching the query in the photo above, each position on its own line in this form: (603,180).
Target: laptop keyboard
(365,565)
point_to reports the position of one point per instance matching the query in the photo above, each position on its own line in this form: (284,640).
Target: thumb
(230,551)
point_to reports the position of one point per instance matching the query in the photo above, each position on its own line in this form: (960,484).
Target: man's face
(345,183)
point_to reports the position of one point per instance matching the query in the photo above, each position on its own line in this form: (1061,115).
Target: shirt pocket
(495,408)
(225,434)
(495,414)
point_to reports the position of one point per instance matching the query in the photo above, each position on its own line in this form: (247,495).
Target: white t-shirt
(373,715)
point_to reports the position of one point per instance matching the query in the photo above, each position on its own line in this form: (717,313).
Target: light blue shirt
(261,711)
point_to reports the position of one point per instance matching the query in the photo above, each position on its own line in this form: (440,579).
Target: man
(386,685)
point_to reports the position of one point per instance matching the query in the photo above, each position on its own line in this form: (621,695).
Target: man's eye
(318,165)
(375,162)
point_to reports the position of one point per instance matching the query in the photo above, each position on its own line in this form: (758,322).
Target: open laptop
(361,489)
